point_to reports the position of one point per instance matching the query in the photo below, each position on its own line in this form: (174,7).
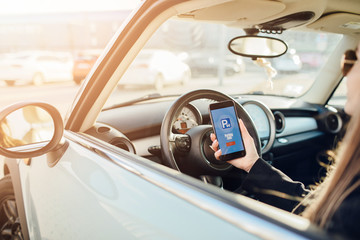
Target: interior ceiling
(343,23)
(349,6)
(338,16)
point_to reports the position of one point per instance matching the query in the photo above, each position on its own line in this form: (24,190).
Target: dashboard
(139,122)
(301,132)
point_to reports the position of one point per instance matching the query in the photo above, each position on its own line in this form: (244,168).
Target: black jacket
(271,186)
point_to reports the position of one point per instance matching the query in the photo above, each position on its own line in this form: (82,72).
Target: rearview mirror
(257,47)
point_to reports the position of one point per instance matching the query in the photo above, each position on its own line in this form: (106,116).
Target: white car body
(289,62)
(116,199)
(156,68)
(35,67)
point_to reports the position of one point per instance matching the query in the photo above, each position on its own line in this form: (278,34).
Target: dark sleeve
(273,187)
(345,221)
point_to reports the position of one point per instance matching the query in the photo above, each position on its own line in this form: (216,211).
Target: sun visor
(253,10)
(343,23)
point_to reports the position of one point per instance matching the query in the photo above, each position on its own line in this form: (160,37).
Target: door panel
(88,196)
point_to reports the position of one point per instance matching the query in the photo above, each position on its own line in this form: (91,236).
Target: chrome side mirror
(29,129)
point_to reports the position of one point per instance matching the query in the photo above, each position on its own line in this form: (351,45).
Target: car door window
(339,96)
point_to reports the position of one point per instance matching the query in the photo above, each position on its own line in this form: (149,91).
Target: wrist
(249,167)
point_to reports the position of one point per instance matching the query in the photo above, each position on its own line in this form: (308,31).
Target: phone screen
(227,130)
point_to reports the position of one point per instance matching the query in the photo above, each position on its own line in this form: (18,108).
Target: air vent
(103,129)
(121,145)
(124,144)
(279,122)
(333,123)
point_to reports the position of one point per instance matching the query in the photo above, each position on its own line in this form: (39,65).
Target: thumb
(243,129)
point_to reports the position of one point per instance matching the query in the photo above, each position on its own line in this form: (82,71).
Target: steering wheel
(191,153)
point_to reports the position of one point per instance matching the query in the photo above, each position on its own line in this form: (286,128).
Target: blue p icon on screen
(225,123)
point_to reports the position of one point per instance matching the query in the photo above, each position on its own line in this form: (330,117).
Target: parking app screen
(227,130)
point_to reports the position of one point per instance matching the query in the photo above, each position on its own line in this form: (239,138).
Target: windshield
(183,56)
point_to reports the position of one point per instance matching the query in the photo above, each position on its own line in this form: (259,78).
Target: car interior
(134,157)
(296,126)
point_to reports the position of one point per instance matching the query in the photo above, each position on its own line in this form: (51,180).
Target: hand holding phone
(227,130)
(245,163)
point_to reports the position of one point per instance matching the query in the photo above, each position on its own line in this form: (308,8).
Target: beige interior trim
(248,13)
(225,12)
(342,23)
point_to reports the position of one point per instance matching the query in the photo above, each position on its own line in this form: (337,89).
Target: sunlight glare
(51,6)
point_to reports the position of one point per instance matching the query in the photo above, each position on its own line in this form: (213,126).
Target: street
(61,95)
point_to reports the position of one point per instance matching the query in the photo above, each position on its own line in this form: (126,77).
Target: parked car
(311,60)
(35,67)
(288,63)
(207,64)
(153,67)
(137,164)
(83,62)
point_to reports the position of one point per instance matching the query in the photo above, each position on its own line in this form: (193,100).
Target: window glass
(46,56)
(183,56)
(339,96)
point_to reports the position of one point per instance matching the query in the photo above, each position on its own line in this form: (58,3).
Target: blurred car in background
(83,63)
(209,64)
(36,67)
(290,62)
(157,68)
(312,60)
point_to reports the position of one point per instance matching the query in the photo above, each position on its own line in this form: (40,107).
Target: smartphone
(227,130)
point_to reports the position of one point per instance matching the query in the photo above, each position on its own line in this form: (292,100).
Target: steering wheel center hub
(207,150)
(201,152)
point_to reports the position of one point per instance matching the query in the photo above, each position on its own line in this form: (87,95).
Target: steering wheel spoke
(182,142)
(174,136)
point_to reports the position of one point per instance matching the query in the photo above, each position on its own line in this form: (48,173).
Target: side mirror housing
(30,129)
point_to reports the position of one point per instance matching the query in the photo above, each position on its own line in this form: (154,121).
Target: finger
(212,137)
(217,154)
(243,128)
(215,145)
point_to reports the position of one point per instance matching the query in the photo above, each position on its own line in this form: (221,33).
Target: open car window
(339,96)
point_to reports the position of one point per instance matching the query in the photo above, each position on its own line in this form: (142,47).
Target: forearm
(272,186)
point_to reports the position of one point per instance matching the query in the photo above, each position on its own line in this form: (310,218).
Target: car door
(96,191)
